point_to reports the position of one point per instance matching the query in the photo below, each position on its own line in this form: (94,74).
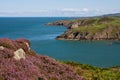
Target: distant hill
(113,15)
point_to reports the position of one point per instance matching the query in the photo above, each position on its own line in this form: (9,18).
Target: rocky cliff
(103,28)
(19,62)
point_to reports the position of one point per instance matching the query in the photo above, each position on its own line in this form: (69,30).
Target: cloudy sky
(51,8)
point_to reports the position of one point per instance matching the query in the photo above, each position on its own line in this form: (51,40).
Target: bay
(42,37)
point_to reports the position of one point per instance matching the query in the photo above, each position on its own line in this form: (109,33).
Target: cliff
(19,62)
(102,28)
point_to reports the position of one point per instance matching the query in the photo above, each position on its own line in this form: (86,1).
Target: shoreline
(79,63)
(106,28)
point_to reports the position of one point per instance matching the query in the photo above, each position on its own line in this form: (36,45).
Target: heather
(39,67)
(14,65)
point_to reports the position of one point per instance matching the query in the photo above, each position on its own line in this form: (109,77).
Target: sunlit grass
(98,25)
(89,72)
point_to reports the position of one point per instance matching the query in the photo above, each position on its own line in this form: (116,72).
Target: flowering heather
(33,67)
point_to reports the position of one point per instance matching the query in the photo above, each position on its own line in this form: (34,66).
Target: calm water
(97,53)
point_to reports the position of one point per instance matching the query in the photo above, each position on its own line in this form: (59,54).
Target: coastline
(105,28)
(83,70)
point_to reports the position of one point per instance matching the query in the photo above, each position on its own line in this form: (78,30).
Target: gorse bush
(94,73)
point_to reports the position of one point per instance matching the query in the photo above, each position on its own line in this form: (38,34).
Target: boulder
(19,54)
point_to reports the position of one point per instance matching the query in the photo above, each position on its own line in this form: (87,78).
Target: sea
(42,38)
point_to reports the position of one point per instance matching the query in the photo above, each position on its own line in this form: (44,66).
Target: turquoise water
(97,53)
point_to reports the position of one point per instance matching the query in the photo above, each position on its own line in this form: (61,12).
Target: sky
(58,8)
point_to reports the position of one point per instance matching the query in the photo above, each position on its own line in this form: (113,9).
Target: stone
(28,45)
(1,48)
(19,54)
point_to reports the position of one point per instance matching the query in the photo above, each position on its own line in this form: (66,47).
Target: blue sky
(58,7)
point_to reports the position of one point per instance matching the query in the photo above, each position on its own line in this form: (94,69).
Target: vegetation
(33,66)
(94,73)
(94,25)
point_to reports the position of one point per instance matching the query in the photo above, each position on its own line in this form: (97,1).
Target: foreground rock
(19,62)
(104,28)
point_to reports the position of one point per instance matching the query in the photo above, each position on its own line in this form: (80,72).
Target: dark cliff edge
(19,62)
(95,28)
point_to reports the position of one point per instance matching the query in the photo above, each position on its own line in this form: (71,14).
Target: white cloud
(70,10)
(75,10)
(85,9)
(82,12)
(24,13)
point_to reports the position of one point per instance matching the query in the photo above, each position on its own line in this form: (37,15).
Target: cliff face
(106,34)
(19,62)
(105,28)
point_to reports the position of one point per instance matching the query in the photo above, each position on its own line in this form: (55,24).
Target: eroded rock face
(105,28)
(106,34)
(111,32)
(19,62)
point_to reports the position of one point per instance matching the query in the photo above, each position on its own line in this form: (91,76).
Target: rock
(1,48)
(19,54)
(65,23)
(75,25)
(28,45)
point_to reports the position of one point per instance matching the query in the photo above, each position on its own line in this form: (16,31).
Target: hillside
(96,28)
(19,62)
(88,72)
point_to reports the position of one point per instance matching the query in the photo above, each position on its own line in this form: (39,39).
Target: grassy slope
(94,25)
(94,73)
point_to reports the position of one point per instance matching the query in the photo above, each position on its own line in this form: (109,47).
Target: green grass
(89,72)
(94,25)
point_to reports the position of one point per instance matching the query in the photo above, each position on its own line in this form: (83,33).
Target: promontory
(95,28)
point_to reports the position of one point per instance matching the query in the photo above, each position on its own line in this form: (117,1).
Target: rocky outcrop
(105,28)
(65,23)
(106,34)
(19,62)
(70,24)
